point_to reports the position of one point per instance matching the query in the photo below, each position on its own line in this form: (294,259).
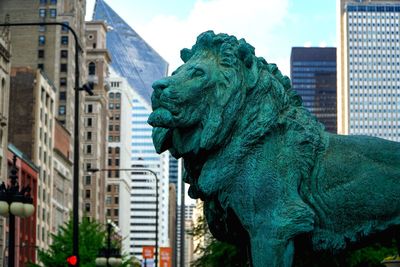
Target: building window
(64,40)
(88,179)
(89,108)
(109,150)
(116,200)
(63,81)
(110,138)
(116,162)
(110,128)
(42,12)
(64,28)
(61,110)
(63,67)
(111,95)
(92,68)
(42,39)
(87,207)
(53,2)
(118,95)
(116,127)
(88,149)
(40,53)
(117,117)
(53,12)
(109,190)
(88,136)
(117,150)
(109,161)
(87,193)
(108,199)
(111,106)
(116,212)
(64,53)
(42,28)
(63,95)
(43,2)
(89,122)
(117,106)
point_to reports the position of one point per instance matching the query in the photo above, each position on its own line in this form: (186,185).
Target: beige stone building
(368,59)
(31,129)
(50,48)
(62,186)
(4,105)
(96,121)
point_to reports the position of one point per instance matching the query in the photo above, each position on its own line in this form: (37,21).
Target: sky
(273,27)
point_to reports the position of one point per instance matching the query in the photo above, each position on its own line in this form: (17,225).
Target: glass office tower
(313,74)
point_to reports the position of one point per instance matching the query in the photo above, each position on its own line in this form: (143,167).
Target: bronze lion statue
(265,168)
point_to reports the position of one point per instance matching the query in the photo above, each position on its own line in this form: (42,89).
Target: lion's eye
(197,73)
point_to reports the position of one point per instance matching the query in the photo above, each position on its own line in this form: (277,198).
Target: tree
(92,237)
(214,253)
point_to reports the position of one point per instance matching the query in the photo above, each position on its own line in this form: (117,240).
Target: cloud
(253,20)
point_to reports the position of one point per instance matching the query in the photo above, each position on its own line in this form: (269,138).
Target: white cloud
(307,44)
(253,20)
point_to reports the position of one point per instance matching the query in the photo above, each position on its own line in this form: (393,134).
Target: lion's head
(221,92)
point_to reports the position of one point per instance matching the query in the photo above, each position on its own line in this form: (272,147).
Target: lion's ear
(186,54)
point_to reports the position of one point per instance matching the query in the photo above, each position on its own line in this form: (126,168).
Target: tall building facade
(96,120)
(4,106)
(62,185)
(31,129)
(143,184)
(313,74)
(25,228)
(369,68)
(136,61)
(118,193)
(51,49)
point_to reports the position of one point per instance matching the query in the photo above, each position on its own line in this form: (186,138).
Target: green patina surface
(265,168)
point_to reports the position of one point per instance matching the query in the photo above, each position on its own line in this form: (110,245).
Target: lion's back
(355,186)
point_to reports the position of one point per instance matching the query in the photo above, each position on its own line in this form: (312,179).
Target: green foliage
(213,252)
(92,237)
(371,256)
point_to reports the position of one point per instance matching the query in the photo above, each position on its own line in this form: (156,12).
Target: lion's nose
(160,84)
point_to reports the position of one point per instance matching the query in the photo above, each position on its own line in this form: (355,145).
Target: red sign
(72,260)
(148,252)
(165,257)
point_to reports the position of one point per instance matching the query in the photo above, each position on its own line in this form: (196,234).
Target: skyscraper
(369,73)
(136,61)
(313,73)
(96,110)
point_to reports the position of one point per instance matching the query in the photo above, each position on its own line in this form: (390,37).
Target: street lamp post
(108,256)
(93,170)
(14,202)
(87,88)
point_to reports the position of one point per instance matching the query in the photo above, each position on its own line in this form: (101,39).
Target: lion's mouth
(162,122)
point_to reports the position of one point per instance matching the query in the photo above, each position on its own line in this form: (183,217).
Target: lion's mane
(260,103)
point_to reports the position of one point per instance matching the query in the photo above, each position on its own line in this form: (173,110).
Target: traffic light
(72,260)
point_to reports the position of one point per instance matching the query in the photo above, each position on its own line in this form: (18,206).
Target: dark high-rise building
(313,74)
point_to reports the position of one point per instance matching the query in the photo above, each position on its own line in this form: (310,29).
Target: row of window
(42,40)
(43,12)
(373,24)
(114,106)
(358,31)
(116,95)
(44,2)
(373,8)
